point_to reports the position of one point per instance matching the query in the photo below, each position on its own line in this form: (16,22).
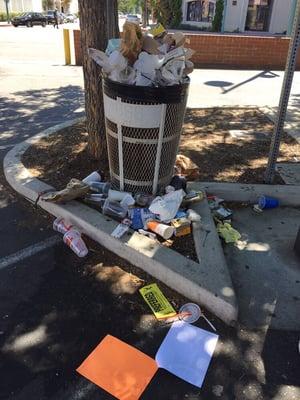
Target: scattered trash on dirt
(93,177)
(146,58)
(72,236)
(73,239)
(186,167)
(182,226)
(186,352)
(158,303)
(121,229)
(74,190)
(218,390)
(266,202)
(193,313)
(228,233)
(114,361)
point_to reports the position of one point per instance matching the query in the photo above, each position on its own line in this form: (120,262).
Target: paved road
(54,309)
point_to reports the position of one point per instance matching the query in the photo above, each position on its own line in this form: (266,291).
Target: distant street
(53,308)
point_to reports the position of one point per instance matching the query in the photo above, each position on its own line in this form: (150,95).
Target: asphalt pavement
(54,309)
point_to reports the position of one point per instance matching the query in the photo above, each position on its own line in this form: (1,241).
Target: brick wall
(77,47)
(230,51)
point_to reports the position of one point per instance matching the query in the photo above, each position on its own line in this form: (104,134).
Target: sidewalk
(232,88)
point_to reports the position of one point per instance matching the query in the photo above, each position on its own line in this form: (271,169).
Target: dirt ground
(206,140)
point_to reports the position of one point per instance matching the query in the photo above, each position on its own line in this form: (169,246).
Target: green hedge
(3,16)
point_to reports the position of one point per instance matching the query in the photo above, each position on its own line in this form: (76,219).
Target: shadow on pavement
(54,317)
(28,112)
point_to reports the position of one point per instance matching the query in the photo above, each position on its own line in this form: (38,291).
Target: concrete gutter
(207,283)
(288,195)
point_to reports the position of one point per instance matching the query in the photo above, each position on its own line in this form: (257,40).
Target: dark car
(29,19)
(50,17)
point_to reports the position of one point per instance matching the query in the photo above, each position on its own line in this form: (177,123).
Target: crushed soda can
(182,226)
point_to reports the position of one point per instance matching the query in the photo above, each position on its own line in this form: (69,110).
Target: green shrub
(218,18)
(3,16)
(188,27)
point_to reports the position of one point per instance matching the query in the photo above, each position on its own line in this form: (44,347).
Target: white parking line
(29,251)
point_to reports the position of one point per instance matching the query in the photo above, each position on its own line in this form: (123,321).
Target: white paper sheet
(186,352)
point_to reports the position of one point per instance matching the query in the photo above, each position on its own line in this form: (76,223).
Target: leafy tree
(48,5)
(218,18)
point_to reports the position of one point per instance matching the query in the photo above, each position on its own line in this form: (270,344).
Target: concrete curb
(288,195)
(195,281)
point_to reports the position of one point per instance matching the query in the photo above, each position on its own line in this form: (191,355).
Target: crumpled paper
(74,189)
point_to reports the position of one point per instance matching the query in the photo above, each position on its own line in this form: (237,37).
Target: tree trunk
(96,28)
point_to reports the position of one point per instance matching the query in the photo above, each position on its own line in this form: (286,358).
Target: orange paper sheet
(118,368)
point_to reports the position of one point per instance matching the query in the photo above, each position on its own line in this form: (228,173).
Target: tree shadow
(207,139)
(56,313)
(28,112)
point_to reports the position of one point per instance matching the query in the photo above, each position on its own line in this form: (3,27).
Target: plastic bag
(166,207)
(113,44)
(101,59)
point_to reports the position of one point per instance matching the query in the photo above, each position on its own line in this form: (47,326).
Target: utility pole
(284,97)
(7,11)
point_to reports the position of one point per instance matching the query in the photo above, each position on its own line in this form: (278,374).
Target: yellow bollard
(67,46)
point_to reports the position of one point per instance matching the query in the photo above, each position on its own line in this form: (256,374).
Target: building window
(200,11)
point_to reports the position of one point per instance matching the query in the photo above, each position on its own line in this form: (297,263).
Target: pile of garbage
(150,58)
(161,216)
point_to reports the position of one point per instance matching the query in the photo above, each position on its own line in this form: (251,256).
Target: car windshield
(132,16)
(24,15)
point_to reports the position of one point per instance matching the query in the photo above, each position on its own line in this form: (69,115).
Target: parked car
(29,19)
(133,18)
(70,18)
(50,17)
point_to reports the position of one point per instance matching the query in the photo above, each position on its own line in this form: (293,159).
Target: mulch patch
(206,140)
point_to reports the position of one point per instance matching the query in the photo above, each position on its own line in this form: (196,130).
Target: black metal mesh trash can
(143,128)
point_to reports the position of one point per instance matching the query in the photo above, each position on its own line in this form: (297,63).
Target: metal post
(67,47)
(284,97)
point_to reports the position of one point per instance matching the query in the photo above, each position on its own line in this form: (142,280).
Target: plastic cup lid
(193,309)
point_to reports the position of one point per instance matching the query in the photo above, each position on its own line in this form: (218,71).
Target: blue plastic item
(266,202)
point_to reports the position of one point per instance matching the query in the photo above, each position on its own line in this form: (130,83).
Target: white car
(133,18)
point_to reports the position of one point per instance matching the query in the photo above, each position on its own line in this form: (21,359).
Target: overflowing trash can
(143,129)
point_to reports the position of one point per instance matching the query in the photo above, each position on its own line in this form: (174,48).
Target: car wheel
(15,25)
(44,24)
(29,24)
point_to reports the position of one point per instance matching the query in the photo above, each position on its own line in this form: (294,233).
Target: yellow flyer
(157,302)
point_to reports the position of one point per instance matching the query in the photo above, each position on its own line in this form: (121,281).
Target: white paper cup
(128,201)
(93,177)
(115,195)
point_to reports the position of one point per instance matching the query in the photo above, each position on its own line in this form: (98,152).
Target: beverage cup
(162,230)
(61,226)
(100,187)
(115,195)
(73,239)
(266,202)
(93,177)
(128,201)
